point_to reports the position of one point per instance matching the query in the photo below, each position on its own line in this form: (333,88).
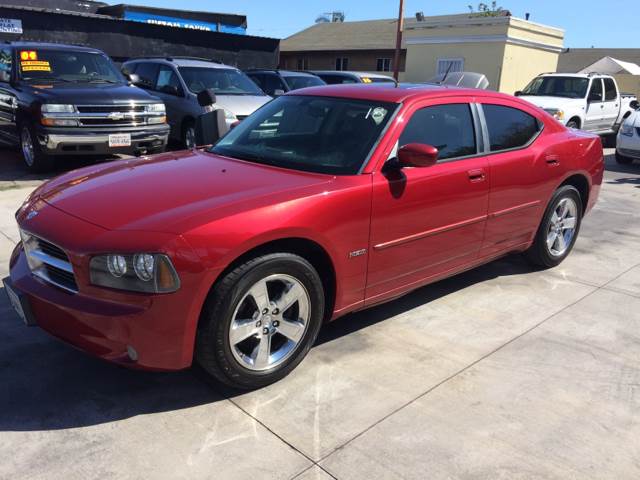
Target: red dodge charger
(325,201)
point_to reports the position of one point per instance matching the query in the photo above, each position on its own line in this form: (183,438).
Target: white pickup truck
(591,102)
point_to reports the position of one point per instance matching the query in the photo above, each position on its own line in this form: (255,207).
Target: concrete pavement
(502,372)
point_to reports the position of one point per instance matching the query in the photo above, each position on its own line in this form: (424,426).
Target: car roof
(49,46)
(346,73)
(283,73)
(574,75)
(387,92)
(183,62)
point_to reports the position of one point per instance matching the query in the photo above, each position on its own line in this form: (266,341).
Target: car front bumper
(81,141)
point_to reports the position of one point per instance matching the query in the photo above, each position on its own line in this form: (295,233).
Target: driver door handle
(477,175)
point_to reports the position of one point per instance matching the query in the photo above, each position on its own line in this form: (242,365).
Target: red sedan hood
(166,192)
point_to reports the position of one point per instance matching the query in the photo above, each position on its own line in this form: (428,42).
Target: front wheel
(189,135)
(34,158)
(260,321)
(559,228)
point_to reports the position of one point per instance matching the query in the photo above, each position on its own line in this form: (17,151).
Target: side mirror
(5,76)
(278,92)
(170,90)
(635,104)
(206,97)
(518,93)
(417,155)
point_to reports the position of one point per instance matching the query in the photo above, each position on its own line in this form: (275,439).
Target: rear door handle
(476,176)
(553,160)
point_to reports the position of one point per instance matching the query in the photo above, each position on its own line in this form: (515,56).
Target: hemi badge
(358,253)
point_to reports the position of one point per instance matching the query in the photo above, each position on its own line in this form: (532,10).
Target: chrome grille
(49,262)
(126,115)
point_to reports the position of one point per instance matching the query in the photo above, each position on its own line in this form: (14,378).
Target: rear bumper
(96,142)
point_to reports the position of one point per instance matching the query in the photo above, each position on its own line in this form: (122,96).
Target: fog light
(131,352)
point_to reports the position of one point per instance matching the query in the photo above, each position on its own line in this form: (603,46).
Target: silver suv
(178,80)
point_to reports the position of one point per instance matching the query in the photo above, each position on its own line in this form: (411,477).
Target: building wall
(359,60)
(521,64)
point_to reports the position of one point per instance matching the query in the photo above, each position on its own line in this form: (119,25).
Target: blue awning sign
(181,23)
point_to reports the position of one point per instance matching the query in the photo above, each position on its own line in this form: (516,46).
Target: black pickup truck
(67,100)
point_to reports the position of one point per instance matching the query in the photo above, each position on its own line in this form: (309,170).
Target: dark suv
(66,100)
(279,82)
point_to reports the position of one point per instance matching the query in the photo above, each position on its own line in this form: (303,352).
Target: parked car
(67,100)
(628,142)
(325,201)
(178,80)
(335,77)
(589,102)
(279,82)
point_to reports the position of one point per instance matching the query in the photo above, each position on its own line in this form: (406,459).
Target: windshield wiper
(46,79)
(99,80)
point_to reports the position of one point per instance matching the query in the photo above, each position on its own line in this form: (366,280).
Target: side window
(257,79)
(509,127)
(168,82)
(610,91)
(273,83)
(449,128)
(147,73)
(596,93)
(5,60)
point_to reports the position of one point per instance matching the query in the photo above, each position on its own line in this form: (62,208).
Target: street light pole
(396,60)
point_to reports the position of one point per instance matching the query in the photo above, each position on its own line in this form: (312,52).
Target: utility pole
(396,60)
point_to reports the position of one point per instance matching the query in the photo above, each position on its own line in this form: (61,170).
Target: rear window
(509,127)
(610,91)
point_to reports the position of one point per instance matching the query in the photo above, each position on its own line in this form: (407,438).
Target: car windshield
(315,134)
(570,87)
(67,66)
(223,81)
(296,83)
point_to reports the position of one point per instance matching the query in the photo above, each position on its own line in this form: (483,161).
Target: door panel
(611,106)
(428,221)
(593,117)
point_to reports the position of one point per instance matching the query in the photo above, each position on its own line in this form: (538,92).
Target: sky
(587,23)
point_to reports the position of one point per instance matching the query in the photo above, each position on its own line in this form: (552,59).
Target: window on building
(509,127)
(449,128)
(384,65)
(342,63)
(450,65)
(610,91)
(303,64)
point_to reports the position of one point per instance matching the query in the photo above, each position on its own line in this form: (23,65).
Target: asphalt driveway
(502,372)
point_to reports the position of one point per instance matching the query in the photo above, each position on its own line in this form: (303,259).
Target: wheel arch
(577,119)
(306,248)
(581,183)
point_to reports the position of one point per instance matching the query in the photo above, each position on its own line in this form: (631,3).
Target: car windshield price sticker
(10,25)
(29,62)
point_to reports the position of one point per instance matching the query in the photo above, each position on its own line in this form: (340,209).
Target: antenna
(447,74)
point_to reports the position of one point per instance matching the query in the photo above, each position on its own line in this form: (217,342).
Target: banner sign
(10,25)
(181,23)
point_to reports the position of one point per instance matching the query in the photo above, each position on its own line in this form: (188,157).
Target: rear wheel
(559,229)
(622,160)
(260,321)
(34,158)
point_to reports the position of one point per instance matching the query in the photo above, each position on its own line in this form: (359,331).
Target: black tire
(34,158)
(610,141)
(188,136)
(213,346)
(573,124)
(622,160)
(539,253)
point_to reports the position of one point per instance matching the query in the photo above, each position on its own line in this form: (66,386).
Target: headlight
(626,130)
(230,115)
(57,108)
(555,113)
(141,272)
(156,108)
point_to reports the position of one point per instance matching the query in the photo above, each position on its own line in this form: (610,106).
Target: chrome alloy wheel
(562,227)
(26,143)
(269,322)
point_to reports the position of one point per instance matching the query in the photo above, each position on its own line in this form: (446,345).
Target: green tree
(485,10)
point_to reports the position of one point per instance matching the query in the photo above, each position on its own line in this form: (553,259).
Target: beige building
(508,50)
